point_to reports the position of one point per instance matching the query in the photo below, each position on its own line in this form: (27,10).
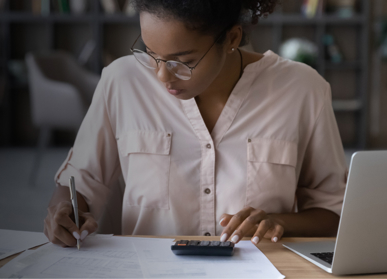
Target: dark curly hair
(210,16)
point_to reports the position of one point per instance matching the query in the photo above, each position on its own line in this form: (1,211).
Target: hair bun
(259,8)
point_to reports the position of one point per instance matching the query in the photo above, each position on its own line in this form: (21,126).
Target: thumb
(224,219)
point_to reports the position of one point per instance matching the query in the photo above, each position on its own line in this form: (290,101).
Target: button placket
(207,167)
(207,186)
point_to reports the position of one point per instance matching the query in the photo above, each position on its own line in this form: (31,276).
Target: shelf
(119,18)
(28,17)
(343,66)
(300,19)
(67,18)
(347,105)
(122,18)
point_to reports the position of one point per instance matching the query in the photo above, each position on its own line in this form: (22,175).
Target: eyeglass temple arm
(217,39)
(135,42)
(203,56)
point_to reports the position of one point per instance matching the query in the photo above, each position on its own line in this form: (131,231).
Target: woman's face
(169,39)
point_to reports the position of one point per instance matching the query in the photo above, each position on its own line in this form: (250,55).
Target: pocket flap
(272,151)
(154,142)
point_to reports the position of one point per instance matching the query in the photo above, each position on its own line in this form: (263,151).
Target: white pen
(73,195)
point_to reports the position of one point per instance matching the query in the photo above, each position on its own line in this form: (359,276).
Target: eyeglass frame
(165,61)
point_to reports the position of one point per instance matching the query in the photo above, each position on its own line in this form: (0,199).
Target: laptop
(361,242)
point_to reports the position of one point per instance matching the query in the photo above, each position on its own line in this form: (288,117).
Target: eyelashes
(185,62)
(150,52)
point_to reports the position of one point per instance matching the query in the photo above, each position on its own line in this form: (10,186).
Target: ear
(234,37)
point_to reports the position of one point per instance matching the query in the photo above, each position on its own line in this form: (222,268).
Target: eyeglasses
(180,69)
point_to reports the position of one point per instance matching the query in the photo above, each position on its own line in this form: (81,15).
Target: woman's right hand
(59,226)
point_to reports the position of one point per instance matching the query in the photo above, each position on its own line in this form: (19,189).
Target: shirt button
(249,140)
(207,191)
(208,146)
(207,234)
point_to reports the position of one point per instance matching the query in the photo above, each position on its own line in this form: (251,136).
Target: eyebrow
(180,53)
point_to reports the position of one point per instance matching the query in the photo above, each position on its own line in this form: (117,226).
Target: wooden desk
(288,263)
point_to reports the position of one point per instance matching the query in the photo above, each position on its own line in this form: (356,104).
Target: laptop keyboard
(326,257)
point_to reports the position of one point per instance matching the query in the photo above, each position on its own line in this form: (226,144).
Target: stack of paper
(13,242)
(133,257)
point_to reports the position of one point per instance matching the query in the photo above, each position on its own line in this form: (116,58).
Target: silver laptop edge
(361,245)
(314,260)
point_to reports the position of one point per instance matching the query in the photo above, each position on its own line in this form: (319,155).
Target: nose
(163,74)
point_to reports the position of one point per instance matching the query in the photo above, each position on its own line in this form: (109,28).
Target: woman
(210,139)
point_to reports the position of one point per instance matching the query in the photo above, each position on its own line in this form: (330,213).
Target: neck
(221,88)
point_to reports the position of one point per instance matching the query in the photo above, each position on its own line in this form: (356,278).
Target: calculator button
(215,243)
(204,243)
(193,243)
(182,243)
(227,243)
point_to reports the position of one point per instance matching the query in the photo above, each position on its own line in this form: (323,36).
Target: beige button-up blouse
(275,146)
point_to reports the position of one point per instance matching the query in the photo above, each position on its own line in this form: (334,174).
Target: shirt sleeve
(93,160)
(324,171)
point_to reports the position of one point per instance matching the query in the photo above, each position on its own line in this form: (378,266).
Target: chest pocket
(145,161)
(271,174)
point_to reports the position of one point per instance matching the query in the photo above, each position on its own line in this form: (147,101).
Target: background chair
(60,92)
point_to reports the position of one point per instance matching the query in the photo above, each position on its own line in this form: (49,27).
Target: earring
(232,49)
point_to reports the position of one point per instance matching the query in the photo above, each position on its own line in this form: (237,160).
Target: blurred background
(52,53)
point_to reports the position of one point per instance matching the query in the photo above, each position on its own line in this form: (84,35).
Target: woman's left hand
(250,222)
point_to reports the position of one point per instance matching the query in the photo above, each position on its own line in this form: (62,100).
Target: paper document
(13,242)
(132,257)
(16,265)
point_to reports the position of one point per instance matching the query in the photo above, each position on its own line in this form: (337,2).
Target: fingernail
(275,239)
(76,235)
(255,239)
(220,222)
(235,238)
(84,234)
(223,238)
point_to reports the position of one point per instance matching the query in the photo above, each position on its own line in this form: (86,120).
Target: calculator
(204,248)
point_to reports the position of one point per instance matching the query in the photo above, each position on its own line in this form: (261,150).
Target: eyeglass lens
(178,69)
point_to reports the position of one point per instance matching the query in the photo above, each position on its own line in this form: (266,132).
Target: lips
(175,91)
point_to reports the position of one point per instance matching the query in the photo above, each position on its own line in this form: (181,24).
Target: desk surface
(288,263)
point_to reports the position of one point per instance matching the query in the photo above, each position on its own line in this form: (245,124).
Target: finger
(62,218)
(49,233)
(63,227)
(58,242)
(89,225)
(62,235)
(224,219)
(234,223)
(248,225)
(47,230)
(263,227)
(277,233)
